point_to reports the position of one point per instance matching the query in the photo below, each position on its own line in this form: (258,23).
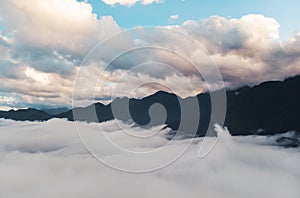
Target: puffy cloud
(246,51)
(48,39)
(130,3)
(63,24)
(53,36)
(244,35)
(39,87)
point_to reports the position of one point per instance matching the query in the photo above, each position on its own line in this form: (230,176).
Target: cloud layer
(49,160)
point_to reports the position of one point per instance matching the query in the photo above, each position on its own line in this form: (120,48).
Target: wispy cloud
(174,17)
(130,3)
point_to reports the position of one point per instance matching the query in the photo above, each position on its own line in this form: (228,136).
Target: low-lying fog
(49,160)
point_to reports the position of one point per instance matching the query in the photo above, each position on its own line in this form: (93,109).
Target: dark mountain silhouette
(269,108)
(265,109)
(26,115)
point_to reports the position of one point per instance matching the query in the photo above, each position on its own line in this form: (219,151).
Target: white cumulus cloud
(46,41)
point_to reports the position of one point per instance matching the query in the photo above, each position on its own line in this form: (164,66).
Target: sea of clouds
(49,160)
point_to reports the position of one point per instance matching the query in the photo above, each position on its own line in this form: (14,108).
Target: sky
(285,12)
(55,53)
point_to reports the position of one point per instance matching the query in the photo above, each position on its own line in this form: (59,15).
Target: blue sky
(285,12)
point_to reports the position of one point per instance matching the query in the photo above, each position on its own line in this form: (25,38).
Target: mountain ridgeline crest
(269,108)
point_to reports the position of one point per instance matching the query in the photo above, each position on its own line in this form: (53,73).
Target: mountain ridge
(268,108)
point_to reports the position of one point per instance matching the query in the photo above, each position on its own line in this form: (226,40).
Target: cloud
(225,34)
(246,50)
(37,25)
(148,2)
(48,38)
(130,3)
(174,17)
(37,158)
(40,87)
(7,100)
(53,36)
